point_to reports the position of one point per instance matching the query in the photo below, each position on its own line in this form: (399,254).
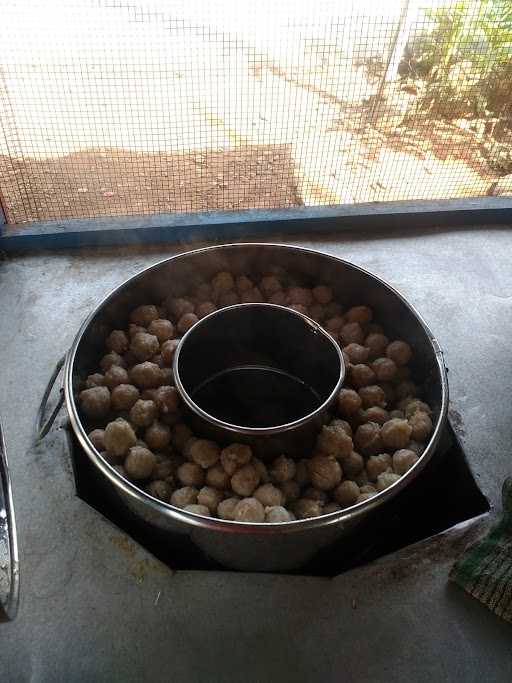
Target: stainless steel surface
(43,425)
(261,334)
(233,543)
(9,562)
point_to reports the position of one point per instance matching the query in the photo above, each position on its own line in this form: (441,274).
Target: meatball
(226,508)
(397,413)
(229,299)
(405,389)
(180,435)
(300,308)
(368,438)
(356,353)
(325,472)
(361,375)
(396,433)
(403,460)
(366,496)
(417,406)
(372,395)
(331,507)
(223,282)
(252,296)
(167,399)
(144,315)
(377,343)
(203,292)
(179,307)
(352,464)
(300,295)
(217,477)
(417,447)
(270,285)
(282,469)
(114,376)
(359,314)
(305,507)
(123,397)
(97,438)
(322,294)
(384,369)
(249,510)
(317,312)
(335,324)
(421,426)
(139,463)
(375,414)
(269,495)
(111,359)
(205,308)
(348,402)
(235,456)
(377,464)
(352,333)
(205,453)
(168,350)
(198,509)
(143,413)
(162,329)
(243,284)
(312,493)
(333,440)
(261,469)
(276,514)
(386,479)
(278,298)
(400,352)
(245,480)
(157,436)
(186,322)
(190,474)
(164,468)
(209,497)
(119,437)
(159,489)
(332,309)
(117,341)
(95,380)
(146,375)
(347,493)
(144,346)
(184,496)
(290,490)
(95,402)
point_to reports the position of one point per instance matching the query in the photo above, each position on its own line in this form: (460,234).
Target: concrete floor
(95,606)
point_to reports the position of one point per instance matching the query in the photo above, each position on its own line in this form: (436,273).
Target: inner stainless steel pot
(242,545)
(256,336)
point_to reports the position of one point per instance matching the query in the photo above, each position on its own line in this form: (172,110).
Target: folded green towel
(485,570)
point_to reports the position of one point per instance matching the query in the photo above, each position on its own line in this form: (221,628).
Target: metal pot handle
(42,426)
(9,563)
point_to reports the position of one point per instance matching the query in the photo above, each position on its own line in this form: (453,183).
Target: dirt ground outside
(110,110)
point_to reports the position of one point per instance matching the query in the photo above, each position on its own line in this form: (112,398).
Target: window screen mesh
(118,108)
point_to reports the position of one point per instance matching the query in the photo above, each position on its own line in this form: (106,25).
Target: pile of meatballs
(376,433)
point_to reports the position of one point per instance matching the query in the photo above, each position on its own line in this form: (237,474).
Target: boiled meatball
(322,294)
(157,436)
(421,426)
(352,464)
(352,333)
(270,285)
(115,376)
(356,353)
(111,359)
(97,438)
(403,460)
(143,413)
(119,438)
(384,368)
(235,456)
(144,315)
(386,479)
(210,498)
(95,380)
(305,508)
(377,464)
(245,480)
(168,350)
(162,329)
(400,352)
(146,375)
(226,508)
(417,406)
(187,495)
(300,295)
(217,477)
(139,463)
(186,322)
(372,395)
(243,284)
(269,495)
(223,282)
(368,438)
(361,375)
(167,399)
(190,474)
(205,308)
(333,440)
(249,510)
(377,343)
(179,307)
(95,402)
(144,346)
(346,494)
(117,341)
(396,433)
(282,469)
(349,402)
(290,490)
(205,453)
(229,299)
(198,509)
(325,472)
(375,414)
(159,489)
(277,514)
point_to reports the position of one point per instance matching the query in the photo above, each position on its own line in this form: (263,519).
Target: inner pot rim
(258,431)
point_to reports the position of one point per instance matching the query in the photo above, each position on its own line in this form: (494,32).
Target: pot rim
(258,431)
(214,524)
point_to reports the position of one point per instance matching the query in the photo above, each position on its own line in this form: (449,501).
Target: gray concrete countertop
(96,606)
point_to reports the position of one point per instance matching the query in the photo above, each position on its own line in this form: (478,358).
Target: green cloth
(485,570)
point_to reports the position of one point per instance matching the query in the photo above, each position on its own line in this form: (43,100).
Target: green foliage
(469,47)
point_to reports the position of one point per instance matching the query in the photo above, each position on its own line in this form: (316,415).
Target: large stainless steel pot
(246,546)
